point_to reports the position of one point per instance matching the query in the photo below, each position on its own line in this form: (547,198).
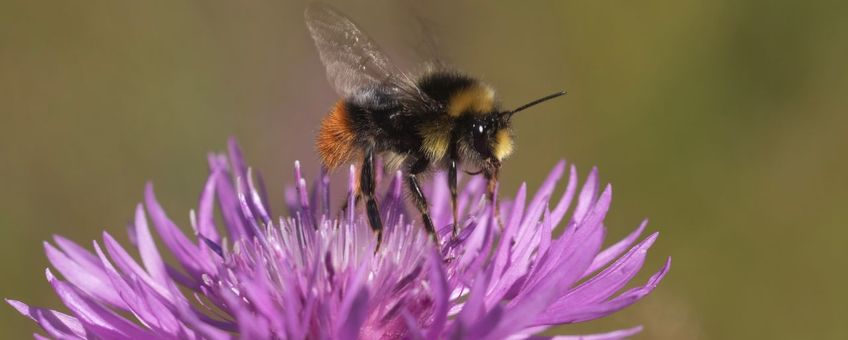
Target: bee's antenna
(537,101)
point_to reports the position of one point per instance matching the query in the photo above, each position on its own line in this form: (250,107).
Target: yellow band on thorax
(478,98)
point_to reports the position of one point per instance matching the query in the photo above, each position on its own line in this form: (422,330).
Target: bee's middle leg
(452,179)
(416,168)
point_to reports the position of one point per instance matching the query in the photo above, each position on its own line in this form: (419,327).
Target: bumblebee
(441,119)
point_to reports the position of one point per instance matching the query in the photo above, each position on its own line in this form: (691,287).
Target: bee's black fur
(440,86)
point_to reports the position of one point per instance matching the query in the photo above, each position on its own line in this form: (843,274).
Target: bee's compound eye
(480,138)
(477,129)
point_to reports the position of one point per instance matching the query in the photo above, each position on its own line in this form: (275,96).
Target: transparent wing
(352,59)
(425,44)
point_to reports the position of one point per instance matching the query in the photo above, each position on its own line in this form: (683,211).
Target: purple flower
(315,275)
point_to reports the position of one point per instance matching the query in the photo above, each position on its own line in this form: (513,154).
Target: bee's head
(487,139)
(490,137)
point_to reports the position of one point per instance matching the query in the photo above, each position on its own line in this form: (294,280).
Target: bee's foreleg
(492,193)
(417,167)
(366,188)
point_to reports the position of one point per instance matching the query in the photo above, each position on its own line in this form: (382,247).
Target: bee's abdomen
(336,142)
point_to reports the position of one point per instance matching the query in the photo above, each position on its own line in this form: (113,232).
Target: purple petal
(518,205)
(611,279)
(128,265)
(183,249)
(354,308)
(147,248)
(205,328)
(228,203)
(567,196)
(258,291)
(323,191)
(94,317)
(526,240)
(441,293)
(261,193)
(306,213)
(93,281)
(256,202)
(485,249)
(56,324)
(619,334)
(252,326)
(587,196)
(505,246)
(140,299)
(548,185)
(609,254)
(574,251)
(439,198)
(248,211)
(474,245)
(236,157)
(474,307)
(585,313)
(80,255)
(520,315)
(393,202)
(545,234)
(205,211)
(484,325)
(544,282)
(412,328)
(470,195)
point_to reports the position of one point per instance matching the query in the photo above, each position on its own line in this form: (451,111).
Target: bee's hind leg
(417,167)
(367,187)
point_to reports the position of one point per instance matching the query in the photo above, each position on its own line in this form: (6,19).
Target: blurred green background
(723,121)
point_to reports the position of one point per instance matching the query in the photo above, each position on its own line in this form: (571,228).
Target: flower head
(315,274)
